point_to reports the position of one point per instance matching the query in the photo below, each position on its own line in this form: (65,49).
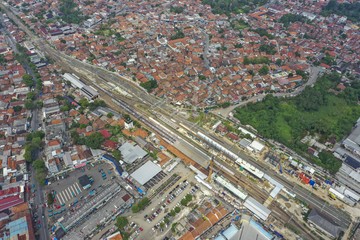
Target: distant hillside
(233,6)
(350,10)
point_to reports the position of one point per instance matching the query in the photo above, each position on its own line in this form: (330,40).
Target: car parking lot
(169,217)
(171,196)
(162,204)
(68,192)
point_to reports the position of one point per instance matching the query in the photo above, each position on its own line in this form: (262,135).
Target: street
(148,100)
(314,73)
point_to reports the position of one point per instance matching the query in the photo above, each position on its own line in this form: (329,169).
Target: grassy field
(318,111)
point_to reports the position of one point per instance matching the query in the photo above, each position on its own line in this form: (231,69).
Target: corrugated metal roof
(230,232)
(131,153)
(146,172)
(18,227)
(241,194)
(257,208)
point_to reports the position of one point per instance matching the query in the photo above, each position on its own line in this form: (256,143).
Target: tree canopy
(28,80)
(117,154)
(149,85)
(264,70)
(233,6)
(94,140)
(70,12)
(40,171)
(289,18)
(268,48)
(350,10)
(316,111)
(121,222)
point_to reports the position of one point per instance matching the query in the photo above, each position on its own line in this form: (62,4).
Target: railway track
(292,223)
(100,76)
(253,191)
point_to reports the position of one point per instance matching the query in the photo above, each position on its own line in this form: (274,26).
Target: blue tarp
(312,182)
(140,190)
(114,161)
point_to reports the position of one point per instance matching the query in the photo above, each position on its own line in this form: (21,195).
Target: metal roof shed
(146,172)
(257,208)
(131,153)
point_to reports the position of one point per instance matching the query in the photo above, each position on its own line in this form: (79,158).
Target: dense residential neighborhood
(113,125)
(222,58)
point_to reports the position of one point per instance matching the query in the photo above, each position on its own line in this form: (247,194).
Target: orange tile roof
(20,208)
(187,236)
(55,121)
(140,133)
(53,142)
(126,132)
(116,236)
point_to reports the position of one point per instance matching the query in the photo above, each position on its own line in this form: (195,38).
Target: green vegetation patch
(141,205)
(262,32)
(70,12)
(239,24)
(289,18)
(233,6)
(350,10)
(149,85)
(316,111)
(256,60)
(268,49)
(179,34)
(176,9)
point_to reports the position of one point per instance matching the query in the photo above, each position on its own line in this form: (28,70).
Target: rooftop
(131,153)
(146,172)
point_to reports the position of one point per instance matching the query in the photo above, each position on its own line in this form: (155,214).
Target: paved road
(167,110)
(39,196)
(314,73)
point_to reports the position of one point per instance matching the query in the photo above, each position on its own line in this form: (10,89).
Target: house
(53,145)
(222,129)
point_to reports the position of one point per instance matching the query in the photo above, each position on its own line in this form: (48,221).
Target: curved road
(314,73)
(98,75)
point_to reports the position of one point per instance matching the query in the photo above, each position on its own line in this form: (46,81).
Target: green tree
(38,164)
(267,48)
(94,140)
(117,154)
(36,142)
(50,199)
(121,222)
(176,9)
(351,10)
(28,80)
(178,34)
(110,115)
(70,12)
(264,70)
(278,62)
(17,108)
(177,209)
(40,171)
(31,96)
(149,85)
(289,18)
(162,225)
(84,103)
